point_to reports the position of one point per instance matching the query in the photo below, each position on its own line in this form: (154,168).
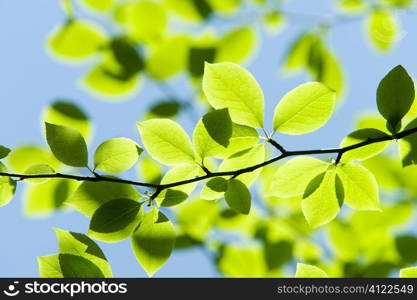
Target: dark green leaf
(74,266)
(238,196)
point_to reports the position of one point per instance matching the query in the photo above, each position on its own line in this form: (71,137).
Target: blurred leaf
(242,262)
(76,40)
(406,246)
(23,157)
(125,54)
(45,198)
(196,218)
(236,46)
(309,271)
(352,6)
(382,29)
(197,57)
(39,169)
(408,272)
(149,170)
(99,5)
(167,108)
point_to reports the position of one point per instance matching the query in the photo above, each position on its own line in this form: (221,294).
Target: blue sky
(30,79)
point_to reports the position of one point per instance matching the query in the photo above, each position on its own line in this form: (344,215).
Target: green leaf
(410,272)
(49,266)
(76,40)
(66,113)
(238,196)
(244,159)
(99,5)
(227,85)
(39,169)
(395,95)
(197,57)
(115,220)
(212,133)
(166,141)
(352,6)
(214,189)
(149,170)
(161,63)
(175,195)
(45,198)
(74,266)
(67,145)
(309,271)
(7,187)
(167,108)
(298,54)
(196,218)
(146,21)
(4,151)
(243,137)
(23,157)
(291,179)
(91,195)
(116,155)
(408,146)
(236,46)
(126,55)
(81,245)
(365,152)
(242,262)
(153,242)
(304,109)
(382,27)
(360,186)
(322,203)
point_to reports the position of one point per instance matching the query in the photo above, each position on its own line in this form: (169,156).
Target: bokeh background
(30,80)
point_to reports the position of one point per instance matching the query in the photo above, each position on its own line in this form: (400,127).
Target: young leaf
(227,85)
(76,40)
(89,196)
(23,157)
(81,245)
(242,262)
(153,242)
(115,220)
(382,29)
(67,145)
(214,189)
(166,141)
(74,266)
(4,151)
(39,169)
(7,187)
(236,45)
(99,5)
(395,95)
(309,271)
(410,272)
(66,113)
(304,109)
(48,197)
(238,196)
(365,152)
(176,195)
(116,155)
(321,203)
(298,54)
(212,133)
(408,146)
(243,159)
(49,266)
(291,179)
(360,186)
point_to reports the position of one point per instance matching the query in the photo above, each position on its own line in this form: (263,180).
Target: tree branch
(284,154)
